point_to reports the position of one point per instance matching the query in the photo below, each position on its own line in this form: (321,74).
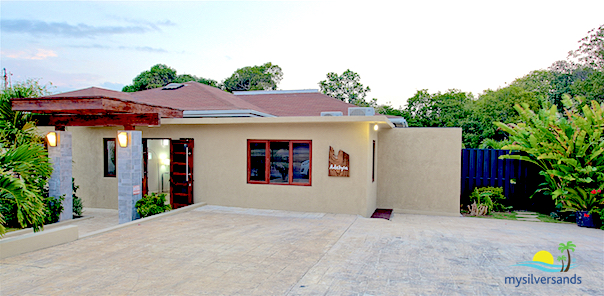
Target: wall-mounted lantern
(52,138)
(375,127)
(122,139)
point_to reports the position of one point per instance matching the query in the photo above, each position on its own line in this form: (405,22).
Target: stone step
(529,219)
(523,212)
(526,216)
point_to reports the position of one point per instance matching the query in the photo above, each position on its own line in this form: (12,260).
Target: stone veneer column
(60,180)
(129,175)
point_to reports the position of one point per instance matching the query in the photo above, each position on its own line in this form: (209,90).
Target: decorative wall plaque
(338,164)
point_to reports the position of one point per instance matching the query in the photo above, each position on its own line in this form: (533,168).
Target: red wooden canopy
(94,107)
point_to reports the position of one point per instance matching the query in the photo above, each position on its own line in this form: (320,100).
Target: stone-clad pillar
(60,180)
(129,175)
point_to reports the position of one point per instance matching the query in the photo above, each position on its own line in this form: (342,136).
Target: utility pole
(5,78)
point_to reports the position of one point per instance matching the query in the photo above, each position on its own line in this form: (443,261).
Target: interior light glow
(375,127)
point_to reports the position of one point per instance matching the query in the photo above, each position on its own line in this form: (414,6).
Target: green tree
(591,49)
(188,77)
(498,105)
(24,162)
(159,76)
(264,77)
(453,108)
(562,258)
(346,87)
(565,247)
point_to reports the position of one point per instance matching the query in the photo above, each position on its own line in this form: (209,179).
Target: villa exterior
(268,150)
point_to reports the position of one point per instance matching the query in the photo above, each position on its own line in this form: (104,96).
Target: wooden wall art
(338,164)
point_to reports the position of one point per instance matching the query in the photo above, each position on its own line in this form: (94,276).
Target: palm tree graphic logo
(544,261)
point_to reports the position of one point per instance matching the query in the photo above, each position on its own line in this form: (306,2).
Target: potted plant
(586,205)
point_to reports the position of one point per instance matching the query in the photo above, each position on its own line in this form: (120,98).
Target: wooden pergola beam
(127,120)
(90,106)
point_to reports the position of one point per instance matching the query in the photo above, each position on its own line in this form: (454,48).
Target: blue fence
(482,168)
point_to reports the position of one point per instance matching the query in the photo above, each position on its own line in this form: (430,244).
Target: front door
(181,172)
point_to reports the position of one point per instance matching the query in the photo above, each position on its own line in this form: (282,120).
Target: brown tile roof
(92,92)
(297,104)
(194,96)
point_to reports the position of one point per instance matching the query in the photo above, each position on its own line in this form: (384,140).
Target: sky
(397,47)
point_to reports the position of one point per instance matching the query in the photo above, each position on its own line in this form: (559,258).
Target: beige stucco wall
(220,166)
(420,170)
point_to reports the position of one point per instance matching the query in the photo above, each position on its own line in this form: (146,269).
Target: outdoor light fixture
(122,138)
(52,139)
(375,127)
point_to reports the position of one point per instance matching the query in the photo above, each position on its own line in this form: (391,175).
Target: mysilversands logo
(544,261)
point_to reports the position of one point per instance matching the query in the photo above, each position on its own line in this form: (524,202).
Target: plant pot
(585,219)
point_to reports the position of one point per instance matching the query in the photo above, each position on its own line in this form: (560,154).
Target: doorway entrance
(156,161)
(168,168)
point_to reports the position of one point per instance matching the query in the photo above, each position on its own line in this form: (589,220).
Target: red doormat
(382,213)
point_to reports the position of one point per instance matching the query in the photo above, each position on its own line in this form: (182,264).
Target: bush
(53,208)
(490,197)
(152,204)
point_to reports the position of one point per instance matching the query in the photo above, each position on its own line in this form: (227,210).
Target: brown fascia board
(90,105)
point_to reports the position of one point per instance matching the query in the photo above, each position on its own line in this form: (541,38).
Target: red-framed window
(279,162)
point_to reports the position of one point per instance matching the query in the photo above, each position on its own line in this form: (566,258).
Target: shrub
(77,202)
(53,208)
(152,204)
(490,197)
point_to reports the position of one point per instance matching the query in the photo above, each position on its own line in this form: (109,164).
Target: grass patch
(512,216)
(9,229)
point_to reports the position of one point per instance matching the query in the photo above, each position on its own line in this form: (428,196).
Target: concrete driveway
(230,251)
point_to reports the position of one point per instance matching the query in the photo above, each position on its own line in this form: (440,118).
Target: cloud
(150,49)
(94,46)
(41,28)
(121,47)
(39,54)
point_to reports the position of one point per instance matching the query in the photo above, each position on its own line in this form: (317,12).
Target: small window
(373,164)
(109,157)
(279,162)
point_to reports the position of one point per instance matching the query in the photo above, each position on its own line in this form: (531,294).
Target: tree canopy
(160,75)
(346,87)
(263,77)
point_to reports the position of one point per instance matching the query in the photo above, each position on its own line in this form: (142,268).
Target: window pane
(257,161)
(301,163)
(279,162)
(110,158)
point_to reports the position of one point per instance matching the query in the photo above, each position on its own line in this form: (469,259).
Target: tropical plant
(491,197)
(565,247)
(561,258)
(568,148)
(23,171)
(24,162)
(152,204)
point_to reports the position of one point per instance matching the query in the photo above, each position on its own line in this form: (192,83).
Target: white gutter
(224,113)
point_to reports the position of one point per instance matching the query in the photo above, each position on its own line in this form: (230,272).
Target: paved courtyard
(231,251)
